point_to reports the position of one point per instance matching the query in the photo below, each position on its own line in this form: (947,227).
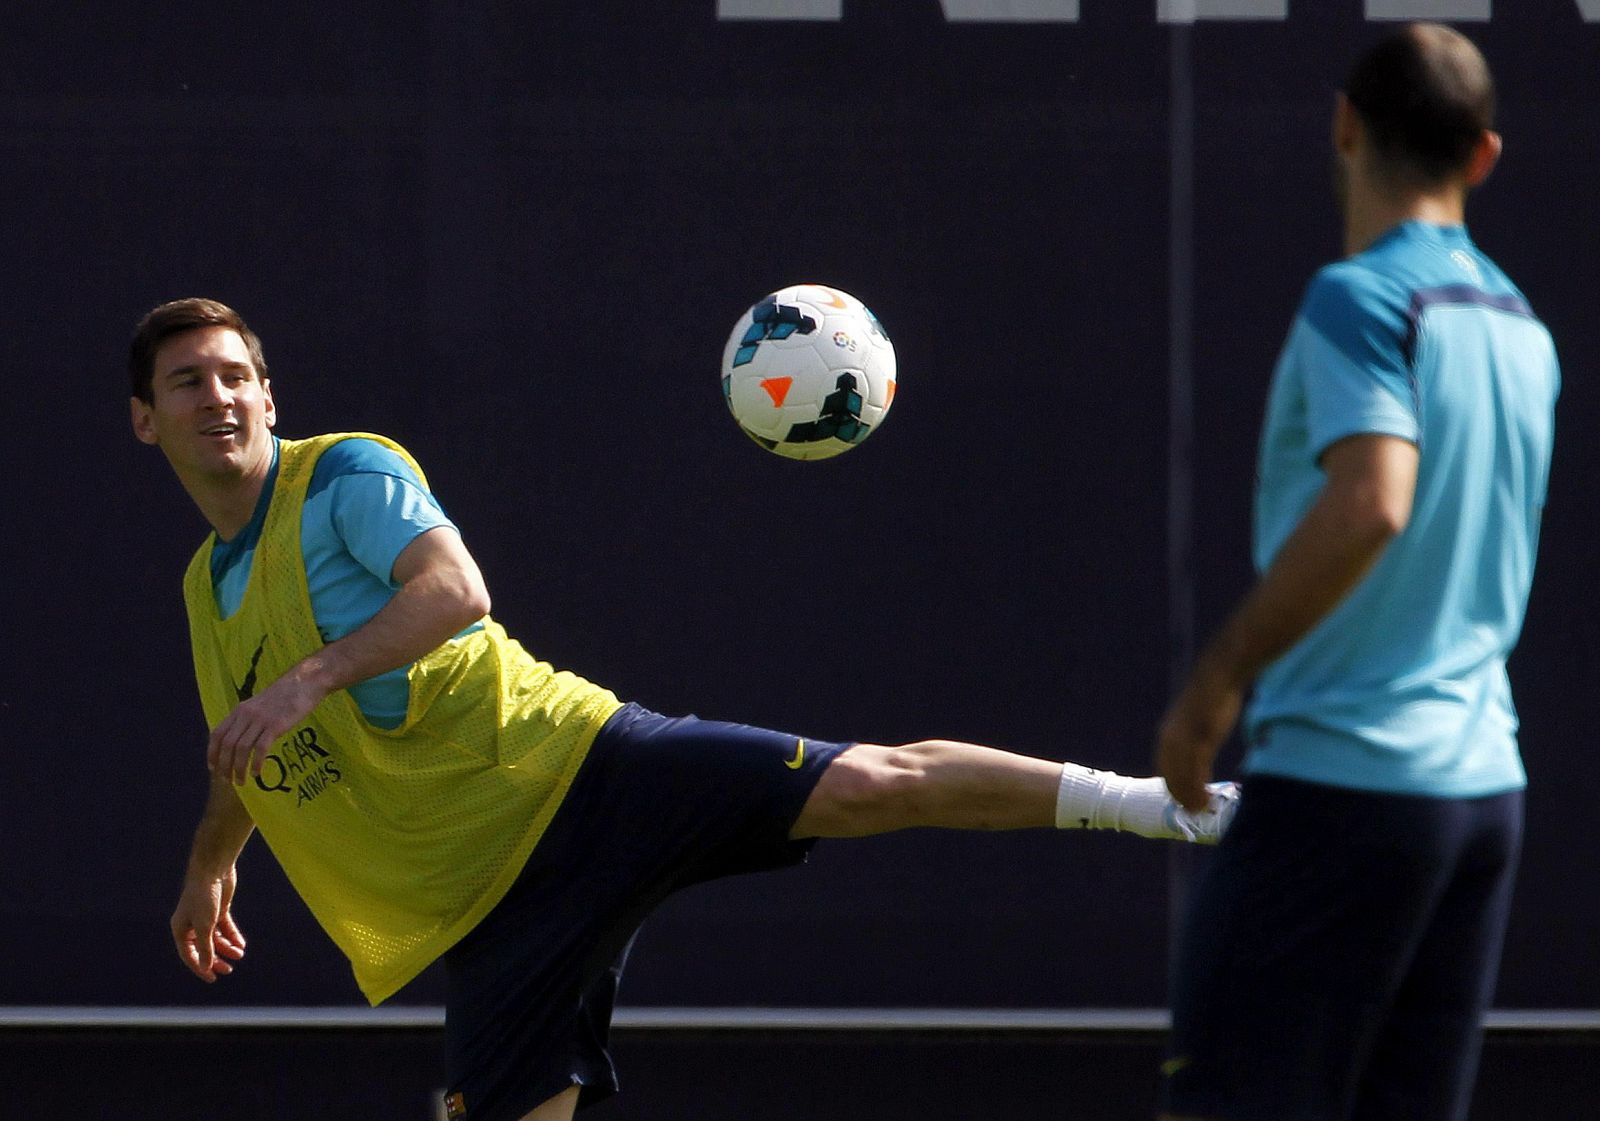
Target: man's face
(211,412)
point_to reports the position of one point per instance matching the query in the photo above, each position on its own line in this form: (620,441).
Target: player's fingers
(258,755)
(230,929)
(1183,756)
(1178,768)
(1182,772)
(204,953)
(1167,760)
(244,748)
(222,759)
(195,953)
(227,947)
(183,942)
(251,756)
(228,748)
(1188,786)
(214,747)
(182,934)
(224,742)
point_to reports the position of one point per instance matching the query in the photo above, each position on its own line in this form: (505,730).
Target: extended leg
(944,784)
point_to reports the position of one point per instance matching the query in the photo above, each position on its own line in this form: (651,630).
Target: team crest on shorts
(455,1106)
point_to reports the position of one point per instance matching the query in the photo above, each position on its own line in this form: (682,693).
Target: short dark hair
(174,318)
(1425,94)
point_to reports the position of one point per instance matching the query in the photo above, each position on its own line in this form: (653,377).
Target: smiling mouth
(220,430)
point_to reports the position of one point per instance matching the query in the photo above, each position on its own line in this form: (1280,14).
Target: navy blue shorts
(1338,955)
(658,805)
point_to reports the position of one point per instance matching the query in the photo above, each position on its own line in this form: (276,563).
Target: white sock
(1090,799)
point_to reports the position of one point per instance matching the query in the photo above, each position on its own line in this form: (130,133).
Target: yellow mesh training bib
(398,840)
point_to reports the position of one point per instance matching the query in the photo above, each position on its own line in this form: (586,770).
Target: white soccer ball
(808,372)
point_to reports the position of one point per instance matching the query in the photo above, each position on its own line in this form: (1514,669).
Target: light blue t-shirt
(1402,688)
(364,505)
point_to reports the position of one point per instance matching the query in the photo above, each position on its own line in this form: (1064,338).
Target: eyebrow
(196,367)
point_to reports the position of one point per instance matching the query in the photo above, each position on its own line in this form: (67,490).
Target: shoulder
(1354,289)
(1357,308)
(363,455)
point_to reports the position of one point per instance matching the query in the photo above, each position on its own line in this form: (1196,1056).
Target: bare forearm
(224,827)
(207,939)
(423,614)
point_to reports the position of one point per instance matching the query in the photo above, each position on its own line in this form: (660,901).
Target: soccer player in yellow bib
(434,791)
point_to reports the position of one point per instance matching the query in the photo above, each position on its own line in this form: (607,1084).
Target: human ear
(144,428)
(1485,154)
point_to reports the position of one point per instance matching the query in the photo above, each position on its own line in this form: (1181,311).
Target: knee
(877,778)
(869,789)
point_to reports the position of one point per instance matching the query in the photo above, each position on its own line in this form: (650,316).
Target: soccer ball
(808,372)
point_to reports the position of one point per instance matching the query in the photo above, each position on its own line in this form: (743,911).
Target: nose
(216,391)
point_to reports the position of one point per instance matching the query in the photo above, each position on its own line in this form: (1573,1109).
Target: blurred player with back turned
(1342,946)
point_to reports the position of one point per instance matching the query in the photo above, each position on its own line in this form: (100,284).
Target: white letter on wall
(1473,11)
(1011,11)
(1192,11)
(780,9)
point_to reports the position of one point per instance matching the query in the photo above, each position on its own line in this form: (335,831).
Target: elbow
(470,589)
(459,595)
(1379,523)
(1391,517)
(1371,515)
(474,601)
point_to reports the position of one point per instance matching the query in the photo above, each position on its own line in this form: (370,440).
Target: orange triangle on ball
(777,389)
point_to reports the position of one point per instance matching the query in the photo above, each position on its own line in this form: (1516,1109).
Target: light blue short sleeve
(372,502)
(1358,377)
(377,516)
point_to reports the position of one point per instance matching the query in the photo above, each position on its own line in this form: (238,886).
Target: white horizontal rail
(425,1017)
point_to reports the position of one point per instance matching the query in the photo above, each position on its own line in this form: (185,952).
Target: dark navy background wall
(515,237)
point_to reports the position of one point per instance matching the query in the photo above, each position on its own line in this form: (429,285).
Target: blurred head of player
(200,392)
(1416,117)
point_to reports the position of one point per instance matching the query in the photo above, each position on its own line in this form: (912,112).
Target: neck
(228,502)
(1372,213)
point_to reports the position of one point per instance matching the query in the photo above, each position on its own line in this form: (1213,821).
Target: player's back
(1412,664)
(1487,380)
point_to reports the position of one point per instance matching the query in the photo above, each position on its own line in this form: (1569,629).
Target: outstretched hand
(239,744)
(1191,733)
(203,931)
